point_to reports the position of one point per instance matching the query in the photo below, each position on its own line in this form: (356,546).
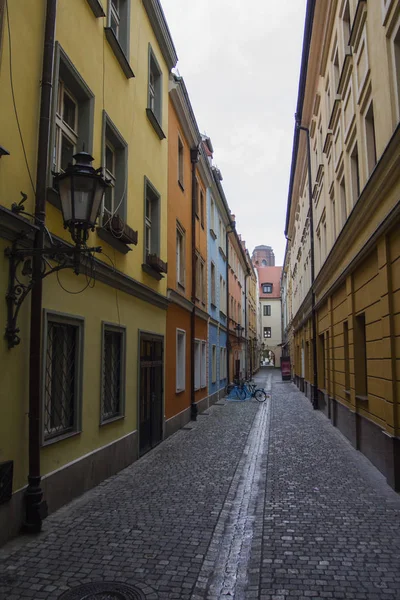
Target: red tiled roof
(270,275)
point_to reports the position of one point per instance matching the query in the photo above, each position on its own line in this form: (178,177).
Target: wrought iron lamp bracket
(21,279)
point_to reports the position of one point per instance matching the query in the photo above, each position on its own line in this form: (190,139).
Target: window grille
(60,386)
(112,374)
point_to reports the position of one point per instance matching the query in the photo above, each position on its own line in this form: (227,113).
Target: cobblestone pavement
(263,501)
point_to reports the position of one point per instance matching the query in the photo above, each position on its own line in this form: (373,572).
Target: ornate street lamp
(81,190)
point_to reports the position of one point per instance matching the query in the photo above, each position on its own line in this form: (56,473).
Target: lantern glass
(64,187)
(82,196)
(98,192)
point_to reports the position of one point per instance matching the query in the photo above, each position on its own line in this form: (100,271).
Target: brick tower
(263,256)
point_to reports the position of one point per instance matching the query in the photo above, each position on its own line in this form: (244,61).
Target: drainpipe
(245,329)
(194,157)
(228,344)
(36,509)
(314,395)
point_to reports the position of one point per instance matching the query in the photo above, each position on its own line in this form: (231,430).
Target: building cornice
(160,27)
(176,298)
(202,314)
(181,103)
(13,226)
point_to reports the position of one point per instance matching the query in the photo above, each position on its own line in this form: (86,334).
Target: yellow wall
(81,36)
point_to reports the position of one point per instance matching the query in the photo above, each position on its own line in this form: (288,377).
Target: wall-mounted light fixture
(81,189)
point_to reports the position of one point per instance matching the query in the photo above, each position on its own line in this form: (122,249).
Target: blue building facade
(217,218)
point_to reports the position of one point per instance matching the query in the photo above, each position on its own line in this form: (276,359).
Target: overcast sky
(241,64)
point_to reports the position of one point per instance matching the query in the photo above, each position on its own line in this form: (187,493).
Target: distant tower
(263,256)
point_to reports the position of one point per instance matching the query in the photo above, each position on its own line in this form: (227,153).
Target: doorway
(150,392)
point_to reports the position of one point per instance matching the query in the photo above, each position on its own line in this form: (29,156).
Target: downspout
(194,157)
(36,509)
(314,395)
(228,376)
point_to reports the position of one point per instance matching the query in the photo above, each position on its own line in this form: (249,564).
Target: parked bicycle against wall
(243,389)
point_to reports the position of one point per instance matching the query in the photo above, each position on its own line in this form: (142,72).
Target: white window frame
(213,363)
(197,364)
(180,361)
(213,277)
(62,127)
(203,381)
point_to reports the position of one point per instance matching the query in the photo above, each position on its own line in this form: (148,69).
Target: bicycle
(246,388)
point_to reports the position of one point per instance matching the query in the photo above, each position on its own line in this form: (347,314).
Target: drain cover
(104,591)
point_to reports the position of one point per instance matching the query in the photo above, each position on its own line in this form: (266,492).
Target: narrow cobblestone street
(253,500)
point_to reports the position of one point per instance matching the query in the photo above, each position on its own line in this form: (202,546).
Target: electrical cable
(13,98)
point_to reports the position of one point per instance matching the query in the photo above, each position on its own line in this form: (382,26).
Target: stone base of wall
(176,422)
(71,481)
(215,397)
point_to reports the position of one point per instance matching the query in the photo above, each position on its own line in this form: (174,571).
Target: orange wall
(177,317)
(179,202)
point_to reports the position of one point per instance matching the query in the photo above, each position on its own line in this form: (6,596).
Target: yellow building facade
(349,111)
(103,332)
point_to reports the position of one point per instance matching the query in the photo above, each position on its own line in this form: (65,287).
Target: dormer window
(267,288)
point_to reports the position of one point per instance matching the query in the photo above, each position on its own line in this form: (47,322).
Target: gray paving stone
(254,501)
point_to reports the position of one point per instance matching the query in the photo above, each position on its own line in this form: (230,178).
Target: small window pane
(69,114)
(67,152)
(112,371)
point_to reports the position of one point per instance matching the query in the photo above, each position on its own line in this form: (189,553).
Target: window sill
(347,392)
(119,53)
(181,286)
(152,272)
(213,304)
(112,420)
(60,438)
(222,314)
(213,234)
(180,391)
(97,8)
(112,241)
(222,253)
(181,185)
(202,226)
(362,398)
(156,125)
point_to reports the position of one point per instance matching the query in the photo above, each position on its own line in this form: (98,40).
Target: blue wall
(216,336)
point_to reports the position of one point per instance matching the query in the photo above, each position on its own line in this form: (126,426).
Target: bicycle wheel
(260,395)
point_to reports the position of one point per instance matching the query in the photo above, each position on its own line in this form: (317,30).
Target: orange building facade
(187,318)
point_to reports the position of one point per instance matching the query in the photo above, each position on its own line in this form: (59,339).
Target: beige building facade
(341,274)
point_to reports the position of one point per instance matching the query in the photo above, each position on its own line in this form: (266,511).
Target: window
(267,288)
(336,71)
(355,174)
(117,33)
(197,364)
(346,357)
(203,364)
(346,24)
(180,360)
(154,99)
(180,162)
(115,162)
(202,282)
(343,203)
(213,283)
(222,364)
(213,364)
(222,295)
(151,220)
(267,332)
(267,310)
(196,198)
(202,208)
(180,255)
(63,366)
(333,216)
(370,138)
(321,361)
(360,357)
(66,128)
(113,372)
(72,116)
(200,279)
(212,214)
